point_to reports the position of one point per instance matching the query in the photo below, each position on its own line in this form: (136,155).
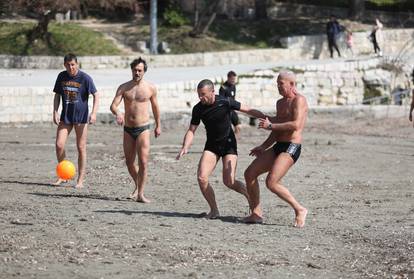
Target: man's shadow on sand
(79,196)
(27,183)
(173,214)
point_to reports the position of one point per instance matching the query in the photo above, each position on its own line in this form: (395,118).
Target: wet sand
(355,176)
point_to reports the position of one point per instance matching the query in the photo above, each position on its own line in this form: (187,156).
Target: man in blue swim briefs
(137,94)
(215,113)
(286,135)
(73,88)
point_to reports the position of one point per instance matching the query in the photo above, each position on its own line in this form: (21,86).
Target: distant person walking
(349,41)
(375,36)
(228,90)
(332,31)
(73,88)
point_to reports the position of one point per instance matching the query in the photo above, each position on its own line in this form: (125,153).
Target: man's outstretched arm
(188,140)
(252,112)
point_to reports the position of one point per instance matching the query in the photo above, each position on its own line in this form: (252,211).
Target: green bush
(174,18)
(68,37)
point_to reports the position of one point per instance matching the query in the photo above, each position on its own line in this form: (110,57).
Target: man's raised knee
(249,175)
(271,183)
(202,180)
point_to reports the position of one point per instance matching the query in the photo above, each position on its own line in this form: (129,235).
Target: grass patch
(67,37)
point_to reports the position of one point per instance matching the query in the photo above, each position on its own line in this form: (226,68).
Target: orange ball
(66,170)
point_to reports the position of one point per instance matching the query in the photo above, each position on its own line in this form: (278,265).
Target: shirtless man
(215,112)
(73,88)
(137,94)
(286,130)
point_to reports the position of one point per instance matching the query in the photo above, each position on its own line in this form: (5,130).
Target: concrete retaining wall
(295,47)
(323,84)
(396,41)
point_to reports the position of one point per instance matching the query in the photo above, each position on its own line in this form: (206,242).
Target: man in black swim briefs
(286,135)
(215,112)
(137,94)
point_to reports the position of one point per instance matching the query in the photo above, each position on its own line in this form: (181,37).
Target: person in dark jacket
(332,31)
(228,90)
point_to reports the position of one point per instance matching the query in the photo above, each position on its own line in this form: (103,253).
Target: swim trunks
(134,132)
(293,149)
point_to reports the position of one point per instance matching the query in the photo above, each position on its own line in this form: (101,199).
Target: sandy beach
(355,176)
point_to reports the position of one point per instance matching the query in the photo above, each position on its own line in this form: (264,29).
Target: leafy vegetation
(68,37)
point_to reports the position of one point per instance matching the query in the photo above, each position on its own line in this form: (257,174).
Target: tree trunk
(40,31)
(261,9)
(203,24)
(195,13)
(356,9)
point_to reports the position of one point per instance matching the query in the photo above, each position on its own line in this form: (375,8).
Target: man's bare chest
(137,95)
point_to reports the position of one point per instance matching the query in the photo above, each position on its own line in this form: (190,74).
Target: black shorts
(234,117)
(223,147)
(293,149)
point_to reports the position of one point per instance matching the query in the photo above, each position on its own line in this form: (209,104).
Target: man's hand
(181,154)
(257,151)
(120,118)
(92,118)
(56,118)
(157,132)
(264,123)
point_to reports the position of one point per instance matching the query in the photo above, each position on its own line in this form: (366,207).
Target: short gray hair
(204,83)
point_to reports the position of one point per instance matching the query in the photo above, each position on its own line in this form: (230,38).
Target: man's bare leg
(143,149)
(229,175)
(81,131)
(280,167)
(206,166)
(130,153)
(260,165)
(62,135)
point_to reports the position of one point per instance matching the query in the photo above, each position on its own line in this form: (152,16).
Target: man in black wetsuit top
(228,89)
(215,112)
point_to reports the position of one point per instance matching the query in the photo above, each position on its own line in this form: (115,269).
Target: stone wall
(295,48)
(395,41)
(324,84)
(168,60)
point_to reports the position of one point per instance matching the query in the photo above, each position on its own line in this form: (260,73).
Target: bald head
(287,75)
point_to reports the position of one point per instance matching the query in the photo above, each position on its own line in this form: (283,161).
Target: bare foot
(253,219)
(59,181)
(300,218)
(133,195)
(140,198)
(214,214)
(79,184)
